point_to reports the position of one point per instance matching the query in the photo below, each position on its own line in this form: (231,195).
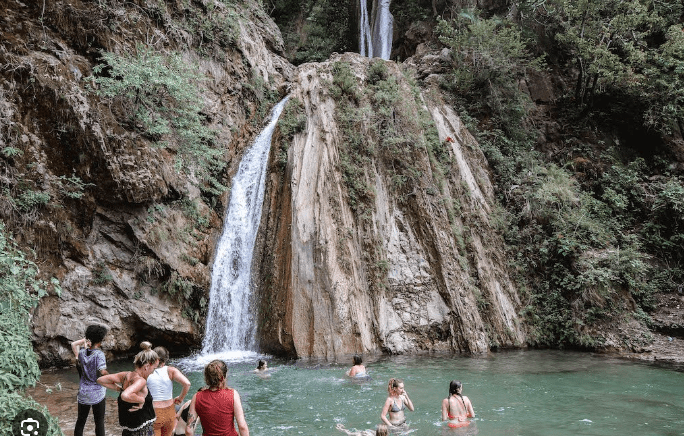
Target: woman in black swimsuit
(396,402)
(136,412)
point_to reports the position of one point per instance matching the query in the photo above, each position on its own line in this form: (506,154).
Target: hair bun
(145,345)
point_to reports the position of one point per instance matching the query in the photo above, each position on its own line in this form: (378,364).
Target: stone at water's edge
(316,299)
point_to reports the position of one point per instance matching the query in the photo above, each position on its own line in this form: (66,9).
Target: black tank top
(139,418)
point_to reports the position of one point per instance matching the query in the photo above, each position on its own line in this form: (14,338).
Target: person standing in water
(456,408)
(218,406)
(136,413)
(396,402)
(91,364)
(160,384)
(358,370)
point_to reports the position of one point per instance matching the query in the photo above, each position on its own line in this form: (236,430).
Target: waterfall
(230,324)
(383,23)
(376,29)
(365,40)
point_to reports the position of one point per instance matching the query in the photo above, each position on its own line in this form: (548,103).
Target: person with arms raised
(91,364)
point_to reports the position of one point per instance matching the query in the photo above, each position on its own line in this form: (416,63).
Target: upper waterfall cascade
(230,323)
(376,29)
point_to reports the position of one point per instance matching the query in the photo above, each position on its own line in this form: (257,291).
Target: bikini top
(396,408)
(451,416)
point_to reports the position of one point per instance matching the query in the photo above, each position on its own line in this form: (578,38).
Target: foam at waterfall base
(197,362)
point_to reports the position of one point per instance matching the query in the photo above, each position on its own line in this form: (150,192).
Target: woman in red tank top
(218,407)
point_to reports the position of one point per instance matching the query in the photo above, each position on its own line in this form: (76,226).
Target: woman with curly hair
(91,364)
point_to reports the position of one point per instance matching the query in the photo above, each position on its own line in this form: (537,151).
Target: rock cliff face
(129,252)
(419,268)
(407,278)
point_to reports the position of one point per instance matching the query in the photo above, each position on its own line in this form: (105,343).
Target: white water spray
(375,29)
(230,324)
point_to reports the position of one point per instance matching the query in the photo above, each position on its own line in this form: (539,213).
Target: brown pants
(166,420)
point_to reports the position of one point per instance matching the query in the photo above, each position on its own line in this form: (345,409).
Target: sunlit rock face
(407,278)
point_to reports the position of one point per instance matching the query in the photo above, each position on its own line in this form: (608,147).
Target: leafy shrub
(293,119)
(101,274)
(264,97)
(344,83)
(72,187)
(20,290)
(490,56)
(192,211)
(163,103)
(11,152)
(377,71)
(185,290)
(29,199)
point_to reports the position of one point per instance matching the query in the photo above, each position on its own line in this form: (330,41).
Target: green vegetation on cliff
(593,221)
(164,104)
(20,290)
(313,29)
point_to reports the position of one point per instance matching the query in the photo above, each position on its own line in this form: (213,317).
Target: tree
(631,47)
(665,87)
(490,57)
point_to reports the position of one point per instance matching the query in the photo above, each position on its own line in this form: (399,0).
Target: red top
(215,411)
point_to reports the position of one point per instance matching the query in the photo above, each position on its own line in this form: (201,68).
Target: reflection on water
(514,393)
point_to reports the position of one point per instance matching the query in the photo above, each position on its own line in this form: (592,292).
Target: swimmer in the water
(262,369)
(396,402)
(380,430)
(358,370)
(262,366)
(457,408)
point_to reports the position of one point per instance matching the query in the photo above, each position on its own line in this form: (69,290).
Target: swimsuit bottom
(458,424)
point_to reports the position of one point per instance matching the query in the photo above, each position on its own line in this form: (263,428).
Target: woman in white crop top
(160,384)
